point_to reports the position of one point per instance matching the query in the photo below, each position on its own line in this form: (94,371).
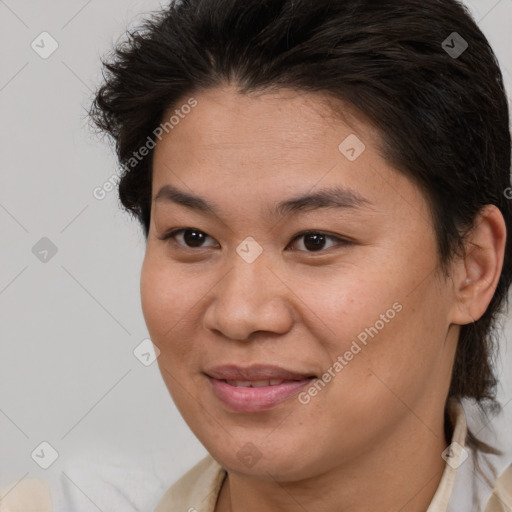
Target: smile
(255,396)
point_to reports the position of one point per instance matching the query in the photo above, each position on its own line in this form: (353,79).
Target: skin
(372,438)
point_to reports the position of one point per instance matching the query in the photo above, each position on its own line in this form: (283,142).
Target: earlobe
(477,274)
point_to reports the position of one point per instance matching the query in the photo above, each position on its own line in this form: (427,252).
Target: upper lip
(254,372)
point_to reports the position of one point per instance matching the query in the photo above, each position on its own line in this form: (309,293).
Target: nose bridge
(248,286)
(249,298)
(244,276)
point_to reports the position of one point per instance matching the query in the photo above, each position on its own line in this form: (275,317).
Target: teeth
(239,383)
(254,383)
(260,383)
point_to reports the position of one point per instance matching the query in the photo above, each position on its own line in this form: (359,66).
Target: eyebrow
(332,197)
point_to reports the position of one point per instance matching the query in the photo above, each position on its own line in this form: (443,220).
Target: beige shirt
(198,489)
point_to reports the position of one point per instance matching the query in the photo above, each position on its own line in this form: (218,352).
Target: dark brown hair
(443,117)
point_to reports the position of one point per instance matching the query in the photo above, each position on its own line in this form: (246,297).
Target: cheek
(170,303)
(153,294)
(346,302)
(401,352)
(377,322)
(164,296)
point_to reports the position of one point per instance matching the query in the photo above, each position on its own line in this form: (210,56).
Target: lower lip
(249,399)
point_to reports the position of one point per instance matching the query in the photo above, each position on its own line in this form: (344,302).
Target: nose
(250,298)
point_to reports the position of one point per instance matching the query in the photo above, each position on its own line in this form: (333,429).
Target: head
(247,105)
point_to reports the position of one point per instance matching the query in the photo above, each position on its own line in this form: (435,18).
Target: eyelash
(341,242)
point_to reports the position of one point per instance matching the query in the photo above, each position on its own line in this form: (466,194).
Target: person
(322,190)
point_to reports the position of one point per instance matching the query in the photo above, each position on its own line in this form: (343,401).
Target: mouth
(256,373)
(256,388)
(259,383)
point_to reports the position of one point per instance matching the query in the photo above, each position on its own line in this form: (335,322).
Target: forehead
(224,118)
(242,149)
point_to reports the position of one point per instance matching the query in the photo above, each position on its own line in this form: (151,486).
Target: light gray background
(69,326)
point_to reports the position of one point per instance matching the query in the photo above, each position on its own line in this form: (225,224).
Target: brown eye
(190,237)
(193,238)
(315,241)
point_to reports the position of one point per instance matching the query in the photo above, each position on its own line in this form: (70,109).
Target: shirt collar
(455,456)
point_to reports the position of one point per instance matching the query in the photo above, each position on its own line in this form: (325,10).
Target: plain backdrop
(70,321)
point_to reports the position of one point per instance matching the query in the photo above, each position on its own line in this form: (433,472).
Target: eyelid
(340,240)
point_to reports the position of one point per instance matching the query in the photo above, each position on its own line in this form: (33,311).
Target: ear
(476,274)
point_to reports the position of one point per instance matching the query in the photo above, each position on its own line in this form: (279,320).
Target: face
(344,296)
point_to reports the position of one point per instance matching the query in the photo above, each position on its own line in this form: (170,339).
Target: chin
(272,464)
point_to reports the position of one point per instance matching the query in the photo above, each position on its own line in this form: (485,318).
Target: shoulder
(27,494)
(93,480)
(196,490)
(501,499)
